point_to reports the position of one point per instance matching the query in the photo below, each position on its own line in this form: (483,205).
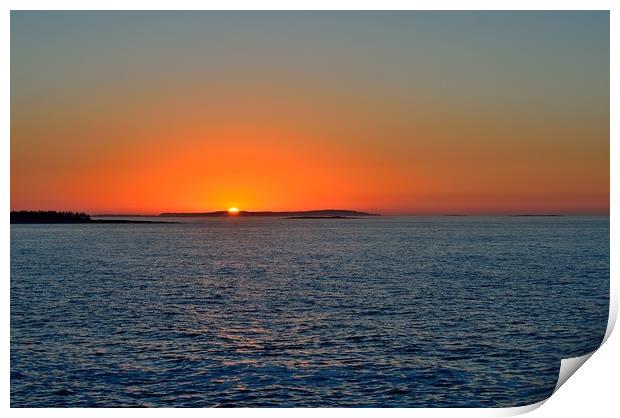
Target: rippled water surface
(452,311)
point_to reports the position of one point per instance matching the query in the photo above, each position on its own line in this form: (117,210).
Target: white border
(592,390)
(308,5)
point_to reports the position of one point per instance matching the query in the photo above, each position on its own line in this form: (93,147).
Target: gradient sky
(396,112)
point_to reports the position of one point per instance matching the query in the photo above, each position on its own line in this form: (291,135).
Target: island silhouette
(65,217)
(308,214)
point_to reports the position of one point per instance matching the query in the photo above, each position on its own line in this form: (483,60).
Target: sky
(391,112)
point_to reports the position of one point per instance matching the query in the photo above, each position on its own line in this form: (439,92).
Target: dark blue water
(410,312)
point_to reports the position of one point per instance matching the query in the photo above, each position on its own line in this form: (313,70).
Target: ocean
(265,312)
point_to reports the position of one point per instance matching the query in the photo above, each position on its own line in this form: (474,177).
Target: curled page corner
(568,367)
(613,311)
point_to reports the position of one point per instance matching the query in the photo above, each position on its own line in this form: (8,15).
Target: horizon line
(412,213)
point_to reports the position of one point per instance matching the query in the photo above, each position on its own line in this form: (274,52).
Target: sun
(233,211)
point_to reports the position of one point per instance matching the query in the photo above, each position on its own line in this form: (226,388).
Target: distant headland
(323,217)
(308,214)
(66,217)
(54,217)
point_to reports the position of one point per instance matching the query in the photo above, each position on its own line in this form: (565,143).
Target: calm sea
(380,312)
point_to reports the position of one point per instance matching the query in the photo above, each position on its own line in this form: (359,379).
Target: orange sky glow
(289,128)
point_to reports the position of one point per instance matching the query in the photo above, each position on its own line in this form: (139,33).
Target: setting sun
(233,211)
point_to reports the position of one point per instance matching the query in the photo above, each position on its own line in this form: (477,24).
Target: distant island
(535,214)
(307,214)
(54,217)
(323,217)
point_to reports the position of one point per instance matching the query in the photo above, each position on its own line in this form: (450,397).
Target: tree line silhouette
(48,216)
